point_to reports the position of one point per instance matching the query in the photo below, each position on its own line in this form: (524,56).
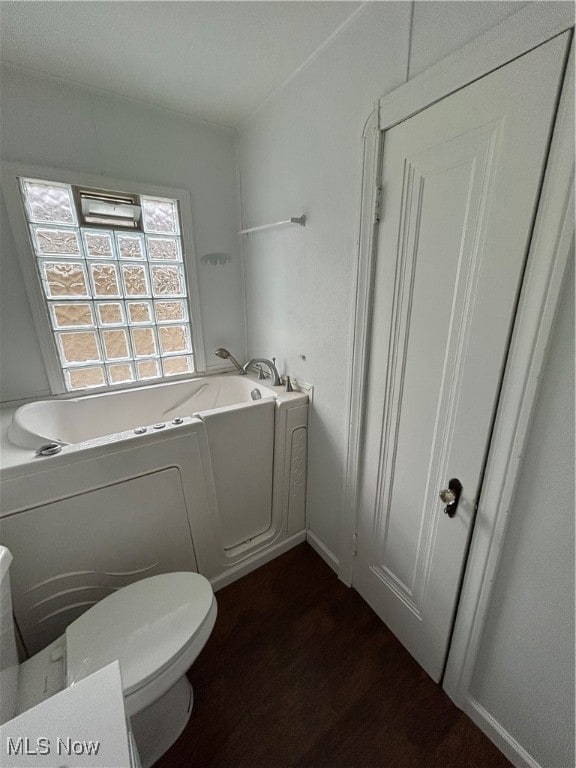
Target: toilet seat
(148,626)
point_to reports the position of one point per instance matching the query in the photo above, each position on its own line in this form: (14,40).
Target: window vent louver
(100,208)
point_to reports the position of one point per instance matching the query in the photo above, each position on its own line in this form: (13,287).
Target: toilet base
(158,726)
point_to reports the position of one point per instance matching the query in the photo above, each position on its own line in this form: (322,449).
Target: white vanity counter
(83,726)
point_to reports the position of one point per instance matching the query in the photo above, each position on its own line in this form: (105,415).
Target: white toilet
(155,628)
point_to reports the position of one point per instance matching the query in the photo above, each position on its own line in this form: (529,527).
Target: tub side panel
(102,523)
(77,551)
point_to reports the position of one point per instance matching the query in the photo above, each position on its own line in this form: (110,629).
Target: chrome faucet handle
(260,372)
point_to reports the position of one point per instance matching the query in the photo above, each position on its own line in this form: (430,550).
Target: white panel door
(460,189)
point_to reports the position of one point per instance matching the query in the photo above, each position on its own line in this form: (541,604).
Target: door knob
(448,496)
(451,496)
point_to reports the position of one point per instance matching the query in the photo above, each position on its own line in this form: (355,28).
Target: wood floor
(300,673)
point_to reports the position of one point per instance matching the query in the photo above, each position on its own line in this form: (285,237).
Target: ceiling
(215,60)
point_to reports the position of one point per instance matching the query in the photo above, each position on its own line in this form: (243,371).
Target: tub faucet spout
(274,375)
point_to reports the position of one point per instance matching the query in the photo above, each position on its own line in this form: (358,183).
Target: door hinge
(354,544)
(377,204)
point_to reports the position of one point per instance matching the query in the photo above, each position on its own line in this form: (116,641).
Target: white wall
(302,152)
(442,27)
(50,124)
(524,674)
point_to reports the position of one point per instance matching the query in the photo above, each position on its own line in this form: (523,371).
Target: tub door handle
(50,449)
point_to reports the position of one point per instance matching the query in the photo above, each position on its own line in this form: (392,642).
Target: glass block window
(117,299)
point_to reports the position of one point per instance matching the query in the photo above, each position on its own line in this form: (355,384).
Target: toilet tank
(8,652)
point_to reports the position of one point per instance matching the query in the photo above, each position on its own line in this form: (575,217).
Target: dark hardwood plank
(300,673)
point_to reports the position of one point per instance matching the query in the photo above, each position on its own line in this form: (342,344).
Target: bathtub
(84,419)
(207,474)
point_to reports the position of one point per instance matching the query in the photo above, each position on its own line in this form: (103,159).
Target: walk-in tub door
(241,443)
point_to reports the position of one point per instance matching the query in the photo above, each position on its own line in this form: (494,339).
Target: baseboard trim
(327,555)
(237,571)
(505,742)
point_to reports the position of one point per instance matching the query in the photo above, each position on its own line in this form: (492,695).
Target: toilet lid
(145,625)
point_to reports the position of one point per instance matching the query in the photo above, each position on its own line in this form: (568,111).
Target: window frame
(11,174)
